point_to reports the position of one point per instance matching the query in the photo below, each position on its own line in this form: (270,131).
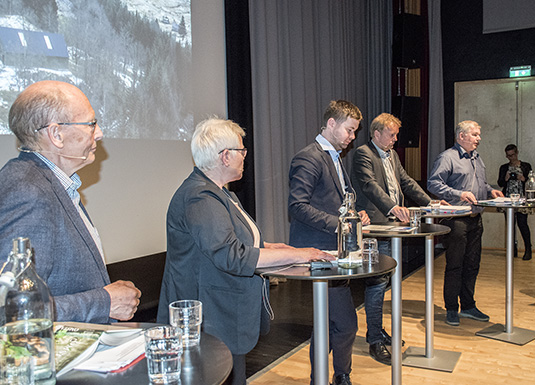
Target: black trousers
(237,375)
(463,256)
(522,222)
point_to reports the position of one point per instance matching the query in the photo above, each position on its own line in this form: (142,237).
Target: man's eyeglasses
(91,124)
(243,151)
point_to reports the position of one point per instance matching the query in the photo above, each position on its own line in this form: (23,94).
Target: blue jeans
(373,300)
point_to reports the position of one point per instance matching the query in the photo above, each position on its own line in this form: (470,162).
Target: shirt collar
(326,145)
(382,154)
(70,184)
(465,154)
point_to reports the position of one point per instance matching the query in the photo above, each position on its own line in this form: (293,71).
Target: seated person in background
(58,134)
(512,178)
(214,246)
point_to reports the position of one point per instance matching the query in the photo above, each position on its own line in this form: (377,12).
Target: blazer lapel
(379,169)
(326,158)
(74,216)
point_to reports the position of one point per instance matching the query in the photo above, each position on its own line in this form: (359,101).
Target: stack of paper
(76,344)
(397,229)
(115,358)
(444,210)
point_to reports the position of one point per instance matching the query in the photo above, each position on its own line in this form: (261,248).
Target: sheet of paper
(114,358)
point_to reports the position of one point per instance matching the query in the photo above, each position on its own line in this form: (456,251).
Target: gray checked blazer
(34,204)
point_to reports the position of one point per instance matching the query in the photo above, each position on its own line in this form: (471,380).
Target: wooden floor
(482,360)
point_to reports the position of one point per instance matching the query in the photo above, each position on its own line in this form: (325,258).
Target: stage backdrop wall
(504,109)
(128,188)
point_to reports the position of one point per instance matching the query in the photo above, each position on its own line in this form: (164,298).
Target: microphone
(55,153)
(67,156)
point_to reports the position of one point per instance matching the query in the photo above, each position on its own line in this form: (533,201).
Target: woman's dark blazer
(211,258)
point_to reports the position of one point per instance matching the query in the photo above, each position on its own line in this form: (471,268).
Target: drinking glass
(16,370)
(515,199)
(370,251)
(163,349)
(187,315)
(435,206)
(415,216)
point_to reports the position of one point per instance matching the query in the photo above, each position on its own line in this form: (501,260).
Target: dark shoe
(474,313)
(380,353)
(387,340)
(341,379)
(452,318)
(527,254)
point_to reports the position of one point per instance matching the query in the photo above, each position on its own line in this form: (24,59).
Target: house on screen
(24,48)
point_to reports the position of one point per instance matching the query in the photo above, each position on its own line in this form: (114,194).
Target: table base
(518,336)
(442,360)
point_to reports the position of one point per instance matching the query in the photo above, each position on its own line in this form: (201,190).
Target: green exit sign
(515,72)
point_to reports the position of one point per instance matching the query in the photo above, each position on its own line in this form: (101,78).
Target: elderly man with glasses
(57,131)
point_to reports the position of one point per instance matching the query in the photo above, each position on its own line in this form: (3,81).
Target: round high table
(320,279)
(209,363)
(429,358)
(424,230)
(508,333)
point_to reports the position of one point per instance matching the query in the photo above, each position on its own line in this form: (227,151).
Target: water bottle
(26,313)
(530,188)
(349,234)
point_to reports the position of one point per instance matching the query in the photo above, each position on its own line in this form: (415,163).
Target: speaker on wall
(409,110)
(408,41)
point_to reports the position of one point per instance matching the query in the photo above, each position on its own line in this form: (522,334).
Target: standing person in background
(214,246)
(381,184)
(58,134)
(512,178)
(458,176)
(318,183)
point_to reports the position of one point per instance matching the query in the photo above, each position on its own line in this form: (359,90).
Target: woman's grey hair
(36,107)
(212,136)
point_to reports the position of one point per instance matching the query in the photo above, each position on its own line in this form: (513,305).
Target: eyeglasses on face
(91,124)
(243,151)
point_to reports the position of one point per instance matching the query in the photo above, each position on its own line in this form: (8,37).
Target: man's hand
(444,203)
(364,217)
(124,299)
(496,194)
(401,213)
(467,196)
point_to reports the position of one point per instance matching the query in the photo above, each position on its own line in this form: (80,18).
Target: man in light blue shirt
(458,176)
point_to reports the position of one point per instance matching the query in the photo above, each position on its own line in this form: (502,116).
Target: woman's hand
(311,253)
(269,245)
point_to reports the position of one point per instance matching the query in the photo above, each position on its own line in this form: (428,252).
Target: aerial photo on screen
(132,58)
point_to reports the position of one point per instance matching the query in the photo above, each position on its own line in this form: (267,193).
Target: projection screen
(151,69)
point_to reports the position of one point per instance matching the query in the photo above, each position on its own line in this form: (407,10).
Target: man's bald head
(39,104)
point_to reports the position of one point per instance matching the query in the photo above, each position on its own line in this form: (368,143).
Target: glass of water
(163,349)
(187,315)
(515,199)
(370,251)
(415,216)
(435,206)
(17,370)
